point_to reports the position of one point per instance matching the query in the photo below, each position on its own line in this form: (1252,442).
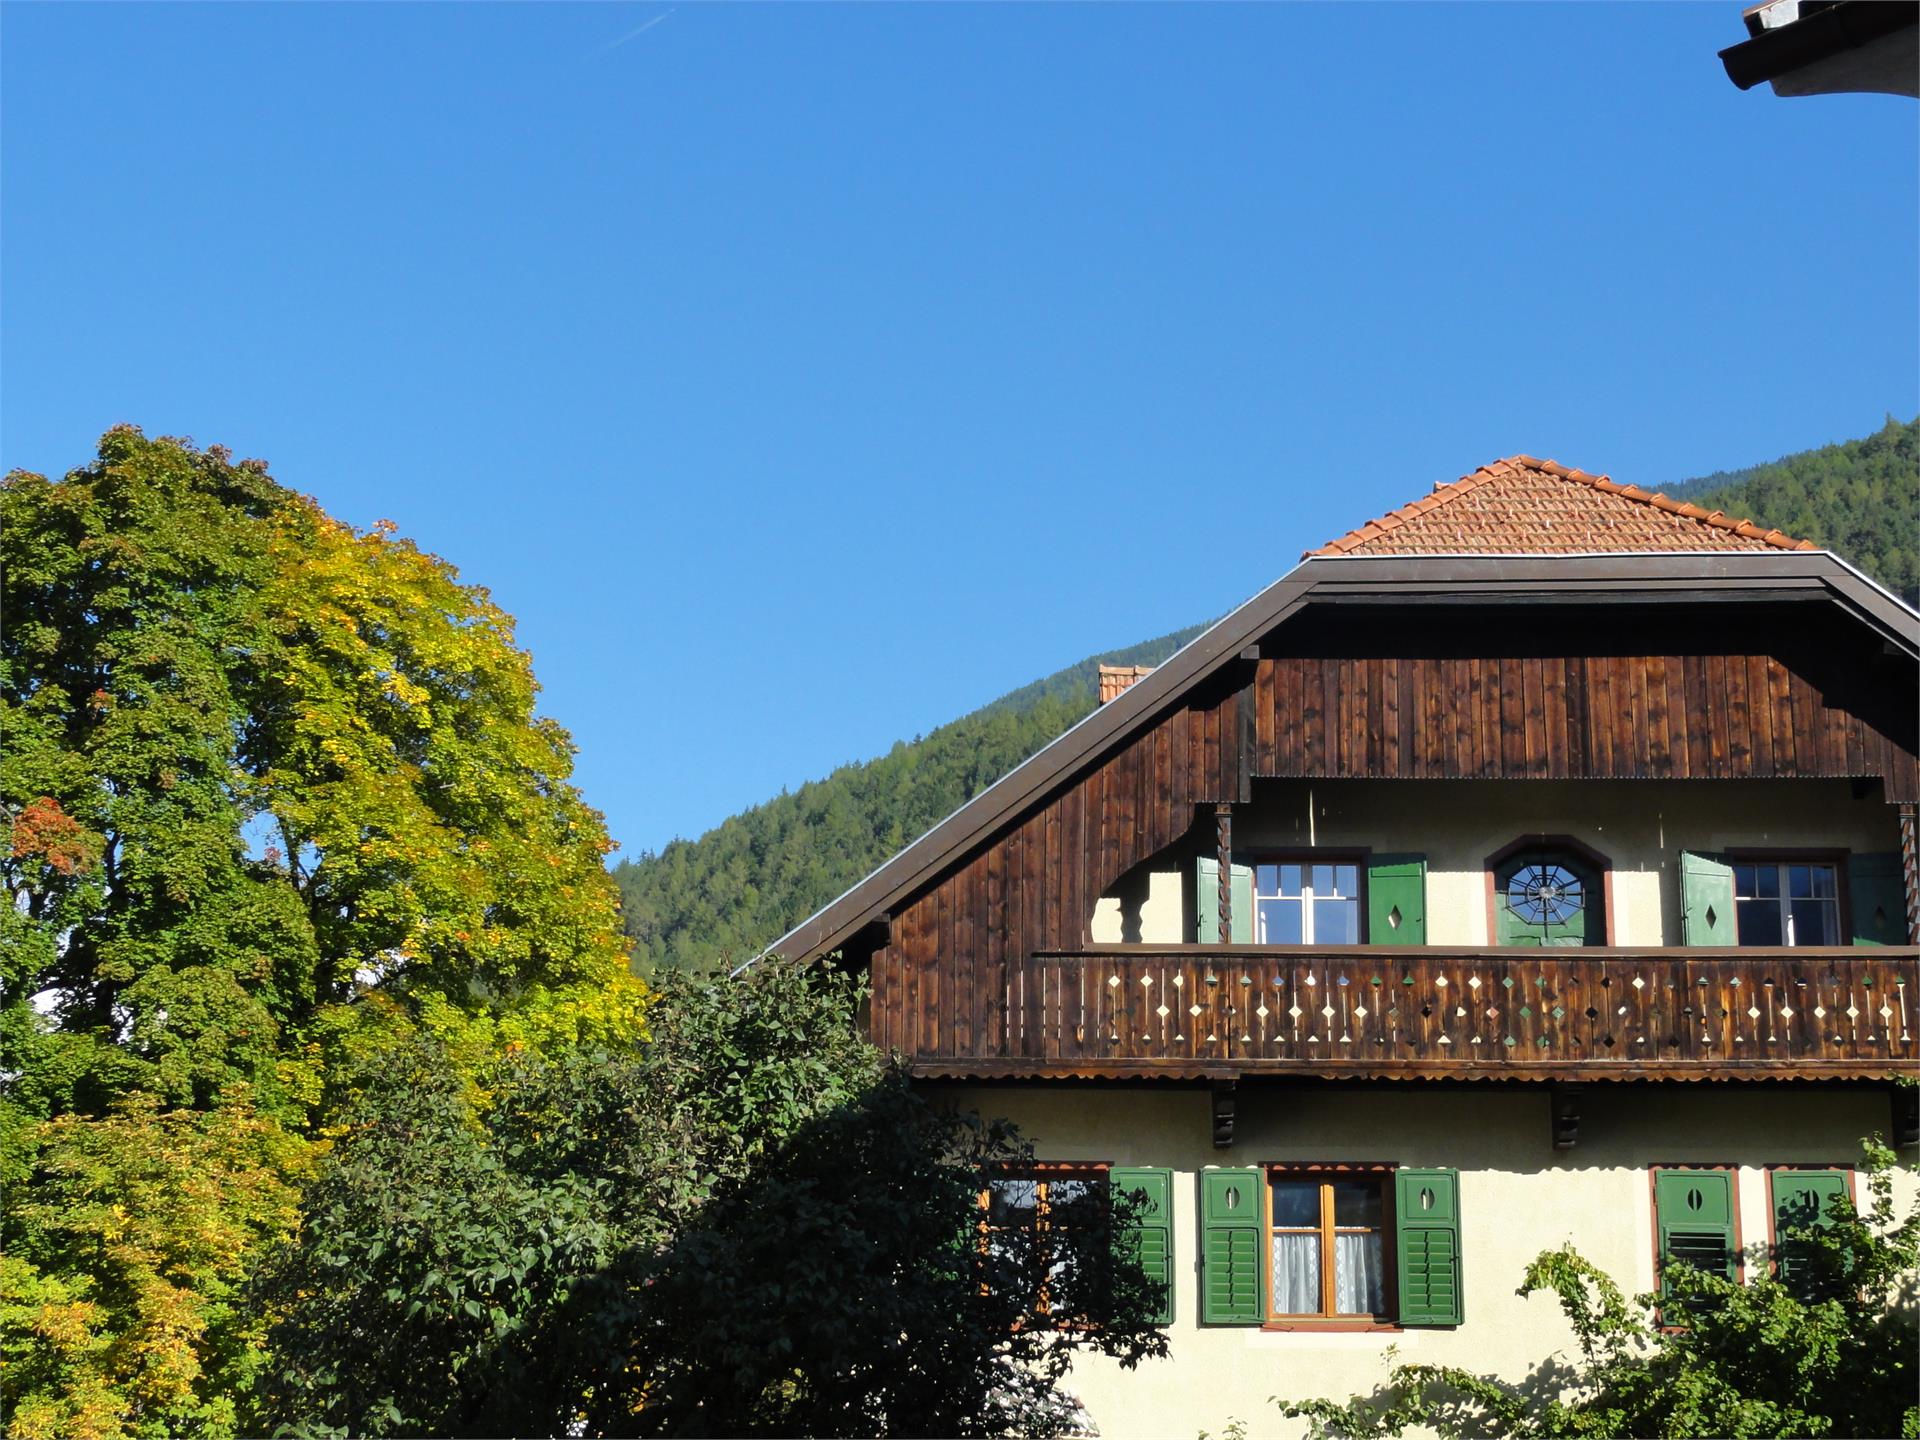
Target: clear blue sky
(804,377)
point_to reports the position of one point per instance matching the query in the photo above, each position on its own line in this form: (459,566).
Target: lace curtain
(1358,1275)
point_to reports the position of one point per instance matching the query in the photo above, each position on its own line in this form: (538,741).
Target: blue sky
(804,377)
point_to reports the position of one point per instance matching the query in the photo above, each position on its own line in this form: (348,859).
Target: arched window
(1548,891)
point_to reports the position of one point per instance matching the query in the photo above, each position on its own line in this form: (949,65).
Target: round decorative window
(1545,894)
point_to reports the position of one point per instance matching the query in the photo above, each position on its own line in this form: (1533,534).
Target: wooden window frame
(1360,858)
(1578,848)
(1653,1213)
(1328,1323)
(1041,1173)
(1789,855)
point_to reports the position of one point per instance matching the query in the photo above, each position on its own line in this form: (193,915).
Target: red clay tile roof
(1524,506)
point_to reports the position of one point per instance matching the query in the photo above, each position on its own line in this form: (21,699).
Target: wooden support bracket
(1223,1114)
(1565,1103)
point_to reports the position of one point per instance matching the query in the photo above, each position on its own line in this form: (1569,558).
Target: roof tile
(1524,506)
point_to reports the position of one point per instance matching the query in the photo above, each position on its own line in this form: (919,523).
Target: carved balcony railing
(1430,1012)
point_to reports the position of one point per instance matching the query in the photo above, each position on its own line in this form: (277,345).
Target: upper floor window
(1304,903)
(1787,902)
(1548,894)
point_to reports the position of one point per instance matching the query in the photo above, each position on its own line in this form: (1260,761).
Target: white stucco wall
(1518,1196)
(1640,826)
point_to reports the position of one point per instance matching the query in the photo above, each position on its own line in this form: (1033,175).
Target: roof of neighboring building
(1524,506)
(1116,678)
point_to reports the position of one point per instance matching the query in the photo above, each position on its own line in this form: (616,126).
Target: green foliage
(720,899)
(276,795)
(1860,499)
(1836,1353)
(747,1226)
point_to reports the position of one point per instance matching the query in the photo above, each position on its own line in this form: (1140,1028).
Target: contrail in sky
(611,44)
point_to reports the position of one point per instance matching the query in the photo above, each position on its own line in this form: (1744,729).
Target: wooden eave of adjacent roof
(1751,576)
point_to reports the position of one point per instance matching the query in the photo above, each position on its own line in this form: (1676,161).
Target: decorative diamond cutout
(1886,1012)
(1359,1012)
(1146,981)
(1193,1010)
(1713,917)
(1558,1013)
(1508,1042)
(1444,1040)
(1638,983)
(1853,1011)
(1179,981)
(1753,1012)
(1113,980)
(1262,1011)
(1492,1014)
(1507,983)
(1327,1011)
(1296,1012)
(1819,1012)
(1393,918)
(1440,982)
(1786,1012)
(1460,1011)
(1163,1012)
(1474,982)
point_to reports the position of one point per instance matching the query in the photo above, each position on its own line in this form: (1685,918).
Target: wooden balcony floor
(1383,1012)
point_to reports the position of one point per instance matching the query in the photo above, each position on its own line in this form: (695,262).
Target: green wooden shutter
(1240,882)
(1397,900)
(1799,1199)
(1706,900)
(1878,891)
(1230,1242)
(1206,901)
(1426,1206)
(1694,1210)
(1149,1240)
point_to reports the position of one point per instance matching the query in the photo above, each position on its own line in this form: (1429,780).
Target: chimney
(1115,678)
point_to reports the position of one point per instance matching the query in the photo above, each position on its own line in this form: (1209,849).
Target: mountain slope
(720,898)
(1860,499)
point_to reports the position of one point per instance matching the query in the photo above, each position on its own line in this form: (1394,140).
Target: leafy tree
(1834,1352)
(748,1226)
(277,796)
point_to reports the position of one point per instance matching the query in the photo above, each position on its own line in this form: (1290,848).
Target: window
(1801,1200)
(1301,902)
(1695,1214)
(1026,1207)
(1327,1245)
(1548,891)
(1787,902)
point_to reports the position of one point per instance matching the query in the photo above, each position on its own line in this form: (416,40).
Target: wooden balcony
(1191,1011)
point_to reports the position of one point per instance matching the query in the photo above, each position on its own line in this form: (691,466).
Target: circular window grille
(1545,894)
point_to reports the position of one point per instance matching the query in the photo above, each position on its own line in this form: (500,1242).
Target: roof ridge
(1451,490)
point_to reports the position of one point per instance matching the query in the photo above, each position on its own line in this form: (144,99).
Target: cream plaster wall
(1640,826)
(1518,1196)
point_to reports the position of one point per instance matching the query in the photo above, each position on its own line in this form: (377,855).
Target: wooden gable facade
(1682,668)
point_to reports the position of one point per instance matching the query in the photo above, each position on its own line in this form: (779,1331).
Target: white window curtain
(1296,1274)
(1358,1284)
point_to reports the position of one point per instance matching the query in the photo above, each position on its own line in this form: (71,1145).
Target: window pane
(1743,880)
(1336,922)
(1356,1202)
(1295,1203)
(1823,882)
(1011,1202)
(1347,877)
(1759,922)
(1800,878)
(1266,879)
(1064,1193)
(1359,1275)
(1296,1274)
(1280,922)
(1767,881)
(1289,879)
(1815,923)
(1323,880)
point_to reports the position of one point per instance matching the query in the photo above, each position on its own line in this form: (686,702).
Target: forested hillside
(1860,498)
(720,898)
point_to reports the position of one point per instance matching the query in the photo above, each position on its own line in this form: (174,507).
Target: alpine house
(1533,864)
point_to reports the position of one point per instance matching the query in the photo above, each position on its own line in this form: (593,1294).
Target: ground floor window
(1328,1244)
(1028,1205)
